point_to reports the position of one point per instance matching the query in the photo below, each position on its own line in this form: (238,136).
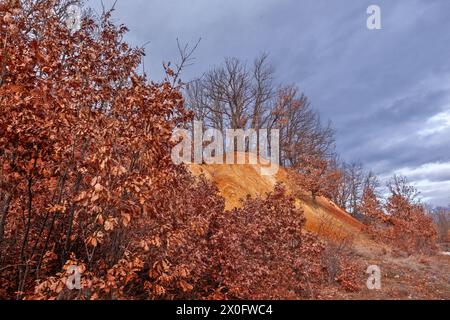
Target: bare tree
(349,190)
(398,186)
(356,181)
(341,193)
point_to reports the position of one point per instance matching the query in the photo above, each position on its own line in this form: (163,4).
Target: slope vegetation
(414,277)
(236,181)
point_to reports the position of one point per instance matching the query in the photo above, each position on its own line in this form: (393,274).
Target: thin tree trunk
(23,273)
(4,214)
(73,207)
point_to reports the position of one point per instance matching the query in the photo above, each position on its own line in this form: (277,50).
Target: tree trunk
(4,214)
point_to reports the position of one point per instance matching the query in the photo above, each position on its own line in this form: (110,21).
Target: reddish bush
(410,226)
(401,222)
(86,175)
(261,250)
(86,181)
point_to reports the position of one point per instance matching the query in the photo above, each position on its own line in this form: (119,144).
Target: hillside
(237,181)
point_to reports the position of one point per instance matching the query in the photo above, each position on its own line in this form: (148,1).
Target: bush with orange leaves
(402,221)
(86,175)
(261,251)
(87,181)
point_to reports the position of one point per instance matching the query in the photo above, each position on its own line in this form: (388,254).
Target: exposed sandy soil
(403,277)
(237,181)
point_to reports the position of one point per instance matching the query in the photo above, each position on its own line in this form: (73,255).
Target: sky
(387,91)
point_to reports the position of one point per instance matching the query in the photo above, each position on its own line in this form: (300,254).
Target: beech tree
(374,215)
(314,175)
(235,96)
(87,182)
(302,133)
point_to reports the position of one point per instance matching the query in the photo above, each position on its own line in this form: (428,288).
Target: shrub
(401,222)
(261,251)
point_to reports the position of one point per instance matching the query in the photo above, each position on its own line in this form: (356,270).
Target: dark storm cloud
(390,132)
(386,91)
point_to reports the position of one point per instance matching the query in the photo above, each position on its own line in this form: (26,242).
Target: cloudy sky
(386,91)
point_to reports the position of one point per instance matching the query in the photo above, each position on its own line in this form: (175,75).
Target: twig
(186,60)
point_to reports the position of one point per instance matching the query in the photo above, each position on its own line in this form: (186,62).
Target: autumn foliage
(84,145)
(402,221)
(265,239)
(86,174)
(86,181)
(314,174)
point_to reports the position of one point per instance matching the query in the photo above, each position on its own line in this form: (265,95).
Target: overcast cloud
(386,91)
